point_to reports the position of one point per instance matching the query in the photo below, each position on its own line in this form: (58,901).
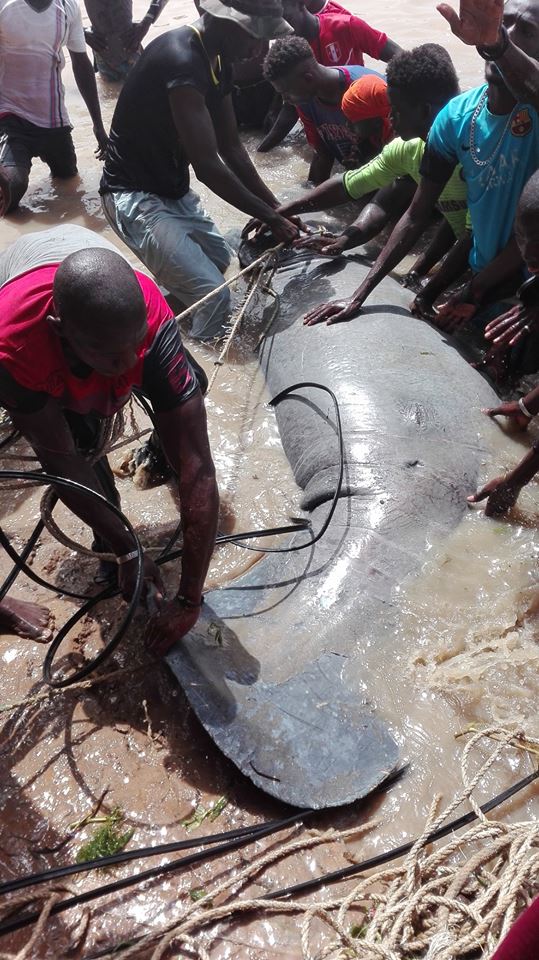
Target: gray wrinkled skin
(279,667)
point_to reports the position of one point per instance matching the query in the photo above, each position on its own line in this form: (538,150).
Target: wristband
(525,410)
(127,557)
(498,50)
(189,603)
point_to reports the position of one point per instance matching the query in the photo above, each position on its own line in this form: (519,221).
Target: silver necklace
(473,149)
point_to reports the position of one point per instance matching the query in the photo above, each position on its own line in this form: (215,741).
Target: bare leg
(25,619)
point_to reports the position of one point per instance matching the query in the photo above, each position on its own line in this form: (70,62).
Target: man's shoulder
(462,107)
(356,72)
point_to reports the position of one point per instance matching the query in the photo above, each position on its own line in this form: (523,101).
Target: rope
(227,283)
(442,905)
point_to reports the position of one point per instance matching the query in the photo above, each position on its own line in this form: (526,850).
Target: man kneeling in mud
(79,329)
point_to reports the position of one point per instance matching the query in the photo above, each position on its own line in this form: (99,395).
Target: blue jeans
(181,246)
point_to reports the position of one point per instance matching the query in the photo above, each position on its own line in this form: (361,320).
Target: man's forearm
(155,10)
(199,500)
(321,166)
(239,161)
(526,469)
(502,268)
(331,193)
(521,74)
(84,74)
(90,511)
(218,177)
(401,241)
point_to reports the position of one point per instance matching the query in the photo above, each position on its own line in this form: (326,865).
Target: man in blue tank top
(317,91)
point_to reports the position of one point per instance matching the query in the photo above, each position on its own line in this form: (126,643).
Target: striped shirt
(32,59)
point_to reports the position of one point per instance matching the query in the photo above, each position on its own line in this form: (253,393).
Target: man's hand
(172,622)
(479,21)
(501,494)
(153,585)
(283,230)
(328,244)
(506,331)
(133,37)
(512,411)
(422,308)
(338,311)
(102,142)
(96,41)
(454,314)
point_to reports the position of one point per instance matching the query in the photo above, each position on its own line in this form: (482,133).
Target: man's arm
(331,193)
(138,31)
(196,134)
(48,433)
(407,232)
(479,24)
(183,433)
(285,121)
(84,74)
(389,50)
(235,155)
(321,166)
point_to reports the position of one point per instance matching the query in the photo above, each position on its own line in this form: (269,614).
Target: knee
(13,186)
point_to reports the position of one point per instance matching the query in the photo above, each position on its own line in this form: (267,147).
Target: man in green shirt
(419,83)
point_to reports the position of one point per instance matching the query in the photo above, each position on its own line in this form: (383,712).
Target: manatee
(280,665)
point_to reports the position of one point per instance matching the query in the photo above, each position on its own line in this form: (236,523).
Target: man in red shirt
(76,337)
(337,37)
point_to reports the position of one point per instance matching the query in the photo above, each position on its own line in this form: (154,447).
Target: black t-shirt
(144,152)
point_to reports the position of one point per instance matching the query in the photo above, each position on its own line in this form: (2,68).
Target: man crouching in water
(79,329)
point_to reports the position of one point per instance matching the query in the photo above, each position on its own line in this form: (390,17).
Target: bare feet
(24,619)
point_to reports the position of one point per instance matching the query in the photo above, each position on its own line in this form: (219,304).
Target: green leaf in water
(201,814)
(107,840)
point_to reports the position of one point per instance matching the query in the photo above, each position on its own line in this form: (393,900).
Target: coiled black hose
(91,601)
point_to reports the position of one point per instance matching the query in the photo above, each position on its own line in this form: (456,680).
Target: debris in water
(199,893)
(107,840)
(201,813)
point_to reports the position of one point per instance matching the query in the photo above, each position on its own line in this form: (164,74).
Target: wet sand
(467,649)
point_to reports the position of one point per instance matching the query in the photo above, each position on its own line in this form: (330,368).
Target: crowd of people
(80,329)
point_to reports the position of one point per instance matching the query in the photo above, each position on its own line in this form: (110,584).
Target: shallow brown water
(466,649)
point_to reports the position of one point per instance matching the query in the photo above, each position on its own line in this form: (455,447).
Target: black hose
(338,488)
(90,602)
(337,875)
(45,478)
(58,873)
(10,926)
(234,839)
(21,558)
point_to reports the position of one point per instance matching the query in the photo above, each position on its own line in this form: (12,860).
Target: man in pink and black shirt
(79,330)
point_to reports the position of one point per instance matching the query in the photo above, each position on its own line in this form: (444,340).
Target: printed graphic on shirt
(522,123)
(334,54)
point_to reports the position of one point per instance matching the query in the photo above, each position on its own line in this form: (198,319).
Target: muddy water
(465,650)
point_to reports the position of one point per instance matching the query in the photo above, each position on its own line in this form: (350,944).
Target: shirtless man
(115,37)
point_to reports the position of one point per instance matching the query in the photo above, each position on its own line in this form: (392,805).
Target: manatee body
(280,665)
